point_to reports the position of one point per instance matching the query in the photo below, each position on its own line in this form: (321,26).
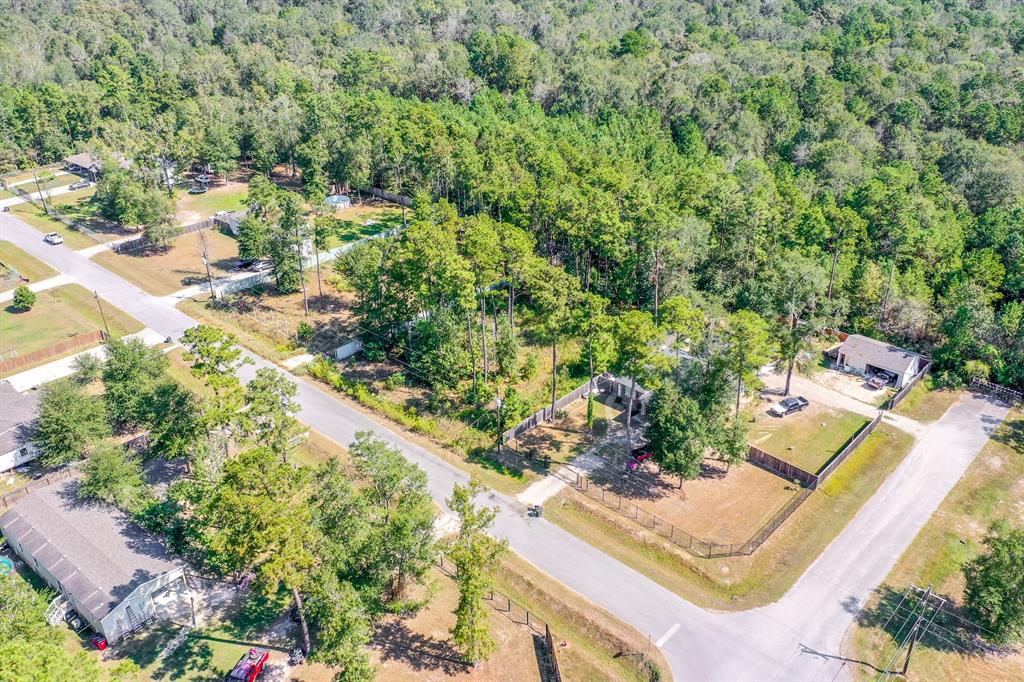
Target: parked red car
(249,666)
(641,454)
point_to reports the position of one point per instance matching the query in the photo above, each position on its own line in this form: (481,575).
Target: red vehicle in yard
(250,666)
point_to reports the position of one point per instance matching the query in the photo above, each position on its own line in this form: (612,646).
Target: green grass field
(28,267)
(195,207)
(58,315)
(926,402)
(807,439)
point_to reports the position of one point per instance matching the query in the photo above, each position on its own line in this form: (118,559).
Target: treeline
(682,149)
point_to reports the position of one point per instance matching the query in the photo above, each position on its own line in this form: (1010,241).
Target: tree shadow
(421,653)
(950,631)
(1012,434)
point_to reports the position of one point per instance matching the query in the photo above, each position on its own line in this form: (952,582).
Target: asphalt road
(797,638)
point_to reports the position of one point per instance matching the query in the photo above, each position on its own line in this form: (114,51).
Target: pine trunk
(629,416)
(302,621)
(554,375)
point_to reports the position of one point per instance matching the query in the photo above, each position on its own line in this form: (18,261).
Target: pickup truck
(249,666)
(788,406)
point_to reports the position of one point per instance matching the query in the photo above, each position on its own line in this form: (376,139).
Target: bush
(394,381)
(529,368)
(24,298)
(305,332)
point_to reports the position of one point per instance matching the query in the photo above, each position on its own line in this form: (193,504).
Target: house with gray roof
(865,356)
(17,416)
(106,568)
(91,166)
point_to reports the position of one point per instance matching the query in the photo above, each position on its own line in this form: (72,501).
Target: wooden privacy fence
(143,242)
(780,467)
(78,342)
(8,500)
(1007,395)
(898,397)
(545,413)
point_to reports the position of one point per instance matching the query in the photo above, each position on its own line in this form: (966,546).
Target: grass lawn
(926,402)
(808,439)
(30,268)
(162,272)
(191,208)
(991,490)
(740,583)
(352,222)
(58,315)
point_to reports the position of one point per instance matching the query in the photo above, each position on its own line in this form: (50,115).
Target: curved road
(797,638)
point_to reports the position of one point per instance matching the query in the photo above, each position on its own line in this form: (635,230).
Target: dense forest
(651,149)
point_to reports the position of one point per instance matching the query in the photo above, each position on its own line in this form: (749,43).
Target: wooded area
(689,148)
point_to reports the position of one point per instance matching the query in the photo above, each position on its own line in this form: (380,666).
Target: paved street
(797,638)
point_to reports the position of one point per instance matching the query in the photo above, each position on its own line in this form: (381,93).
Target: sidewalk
(64,367)
(41,285)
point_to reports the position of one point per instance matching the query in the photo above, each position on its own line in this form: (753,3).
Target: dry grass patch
(160,271)
(743,582)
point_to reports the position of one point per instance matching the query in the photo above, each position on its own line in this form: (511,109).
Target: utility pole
(39,190)
(302,272)
(206,261)
(96,295)
(919,630)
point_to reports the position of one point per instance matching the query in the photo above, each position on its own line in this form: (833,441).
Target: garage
(865,356)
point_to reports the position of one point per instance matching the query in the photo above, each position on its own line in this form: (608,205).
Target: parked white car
(53,238)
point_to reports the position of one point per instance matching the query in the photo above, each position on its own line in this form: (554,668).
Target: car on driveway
(53,238)
(642,453)
(880,380)
(789,405)
(81,184)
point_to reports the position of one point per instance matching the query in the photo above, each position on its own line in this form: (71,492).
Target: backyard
(192,208)
(59,314)
(991,490)
(162,271)
(807,439)
(18,267)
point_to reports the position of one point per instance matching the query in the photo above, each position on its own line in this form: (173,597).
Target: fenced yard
(18,267)
(807,439)
(161,271)
(59,314)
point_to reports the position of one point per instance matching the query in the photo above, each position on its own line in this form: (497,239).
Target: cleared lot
(161,272)
(14,259)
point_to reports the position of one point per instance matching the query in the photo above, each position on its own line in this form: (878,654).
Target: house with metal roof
(108,569)
(17,415)
(866,356)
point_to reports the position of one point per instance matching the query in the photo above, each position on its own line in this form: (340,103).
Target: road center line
(667,636)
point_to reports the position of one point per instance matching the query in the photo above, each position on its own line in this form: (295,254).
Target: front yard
(30,269)
(741,582)
(192,208)
(58,315)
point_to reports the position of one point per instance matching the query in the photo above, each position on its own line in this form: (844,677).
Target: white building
(108,569)
(17,413)
(864,356)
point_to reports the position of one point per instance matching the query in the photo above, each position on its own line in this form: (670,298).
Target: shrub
(24,298)
(529,367)
(305,332)
(394,381)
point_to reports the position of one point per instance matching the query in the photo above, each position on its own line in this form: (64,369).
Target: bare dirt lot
(565,439)
(724,505)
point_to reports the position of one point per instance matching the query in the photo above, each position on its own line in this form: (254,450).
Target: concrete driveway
(798,638)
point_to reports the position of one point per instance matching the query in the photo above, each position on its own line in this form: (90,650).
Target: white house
(17,413)
(106,568)
(864,356)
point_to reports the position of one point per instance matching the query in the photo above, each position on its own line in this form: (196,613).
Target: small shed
(107,568)
(16,420)
(338,201)
(231,220)
(864,356)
